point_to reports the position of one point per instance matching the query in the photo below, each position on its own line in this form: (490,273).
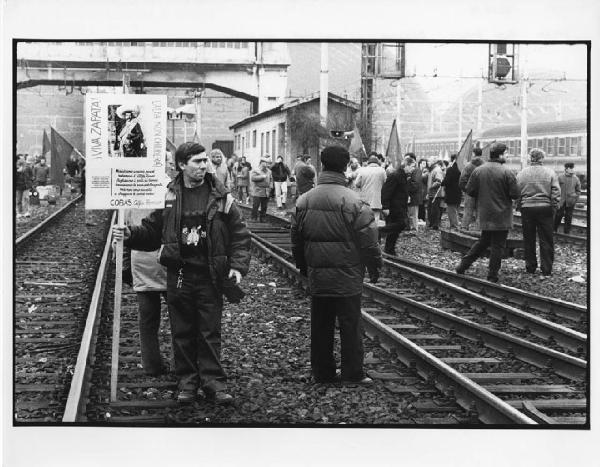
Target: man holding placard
(205,246)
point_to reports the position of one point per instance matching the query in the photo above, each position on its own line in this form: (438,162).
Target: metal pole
(479,105)
(460,112)
(197,97)
(524,86)
(324,88)
(398,112)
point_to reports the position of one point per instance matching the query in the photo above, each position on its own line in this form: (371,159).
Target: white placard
(125,151)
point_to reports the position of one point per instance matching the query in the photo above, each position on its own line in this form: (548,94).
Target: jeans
(496,241)
(453,215)
(322,326)
(470,212)
(195,311)
(540,220)
(256,202)
(566,212)
(280,193)
(243,193)
(434,213)
(149,323)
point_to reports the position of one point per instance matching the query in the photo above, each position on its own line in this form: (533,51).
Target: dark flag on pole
(357,148)
(171,147)
(466,150)
(485,151)
(394,151)
(45,145)
(60,150)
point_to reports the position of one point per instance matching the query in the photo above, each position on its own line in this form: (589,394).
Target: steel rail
(38,228)
(565,309)
(78,392)
(491,409)
(564,365)
(540,327)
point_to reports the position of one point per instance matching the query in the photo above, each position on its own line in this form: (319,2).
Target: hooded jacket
(334,236)
(228,240)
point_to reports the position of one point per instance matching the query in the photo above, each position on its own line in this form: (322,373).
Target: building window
(243,142)
(254,138)
(561,146)
(551,147)
(267,141)
(274,136)
(262,144)
(575,142)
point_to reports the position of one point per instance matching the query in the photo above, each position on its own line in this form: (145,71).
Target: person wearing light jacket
(538,201)
(570,189)
(369,181)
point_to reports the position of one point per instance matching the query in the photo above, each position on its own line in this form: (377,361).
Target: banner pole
(114,368)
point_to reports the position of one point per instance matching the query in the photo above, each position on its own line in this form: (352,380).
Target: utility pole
(460,112)
(197,97)
(324,88)
(524,86)
(479,106)
(398,112)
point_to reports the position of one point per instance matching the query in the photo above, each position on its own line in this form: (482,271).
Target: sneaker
(186,396)
(220,397)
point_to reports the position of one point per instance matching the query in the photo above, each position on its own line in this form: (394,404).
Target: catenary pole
(524,86)
(324,87)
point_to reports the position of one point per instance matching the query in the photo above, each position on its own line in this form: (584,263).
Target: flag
(466,150)
(45,145)
(393,152)
(60,150)
(485,151)
(171,147)
(357,148)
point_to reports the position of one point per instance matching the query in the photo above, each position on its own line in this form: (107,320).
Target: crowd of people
(337,227)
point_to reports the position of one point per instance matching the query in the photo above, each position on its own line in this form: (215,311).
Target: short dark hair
(411,155)
(477,151)
(569,165)
(452,157)
(335,158)
(185,151)
(497,150)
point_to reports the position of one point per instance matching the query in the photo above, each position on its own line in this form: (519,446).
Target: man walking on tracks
(494,186)
(334,237)
(204,244)
(570,189)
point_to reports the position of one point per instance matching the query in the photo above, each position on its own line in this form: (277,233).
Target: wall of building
(245,145)
(40,107)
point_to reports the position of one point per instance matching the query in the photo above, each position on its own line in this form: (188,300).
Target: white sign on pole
(125,151)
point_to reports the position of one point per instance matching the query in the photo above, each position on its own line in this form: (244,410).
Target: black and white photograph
(214,234)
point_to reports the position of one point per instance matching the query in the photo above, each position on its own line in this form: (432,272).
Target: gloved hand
(373,276)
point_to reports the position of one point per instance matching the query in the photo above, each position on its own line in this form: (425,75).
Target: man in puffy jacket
(540,195)
(494,186)
(334,237)
(205,246)
(570,190)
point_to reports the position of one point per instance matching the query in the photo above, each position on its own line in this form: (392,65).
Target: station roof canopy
(294,103)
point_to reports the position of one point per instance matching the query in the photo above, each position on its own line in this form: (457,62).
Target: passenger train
(562,141)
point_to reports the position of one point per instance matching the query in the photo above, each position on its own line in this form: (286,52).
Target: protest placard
(125,151)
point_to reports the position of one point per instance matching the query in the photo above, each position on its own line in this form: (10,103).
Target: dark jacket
(467,171)
(41,174)
(24,179)
(394,196)
(72,167)
(494,186)
(570,189)
(228,239)
(334,236)
(415,187)
(280,172)
(450,183)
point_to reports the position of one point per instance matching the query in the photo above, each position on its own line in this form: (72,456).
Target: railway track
(56,266)
(503,364)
